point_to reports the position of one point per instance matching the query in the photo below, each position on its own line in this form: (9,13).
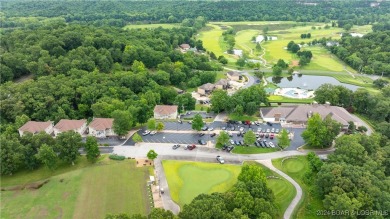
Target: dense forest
(120,13)
(369,54)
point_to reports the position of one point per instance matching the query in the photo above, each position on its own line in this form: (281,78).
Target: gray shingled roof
(207,86)
(223,82)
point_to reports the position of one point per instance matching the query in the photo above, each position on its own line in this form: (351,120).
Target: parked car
(146,132)
(268,130)
(201,134)
(267,135)
(223,128)
(239,134)
(230,134)
(230,148)
(176,146)
(259,129)
(271,144)
(277,131)
(257,144)
(262,135)
(202,142)
(205,128)
(211,129)
(220,159)
(272,136)
(241,142)
(236,142)
(241,129)
(153,132)
(224,147)
(268,123)
(190,122)
(266,144)
(273,130)
(213,134)
(232,141)
(190,147)
(233,128)
(179,121)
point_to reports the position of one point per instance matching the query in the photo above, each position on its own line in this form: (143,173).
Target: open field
(135,26)
(296,168)
(234,117)
(244,41)
(187,180)
(85,192)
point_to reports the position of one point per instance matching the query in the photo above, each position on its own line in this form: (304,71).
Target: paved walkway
(298,196)
(167,202)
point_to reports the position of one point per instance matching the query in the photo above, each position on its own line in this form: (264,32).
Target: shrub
(116,157)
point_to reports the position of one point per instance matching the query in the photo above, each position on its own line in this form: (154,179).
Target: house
(101,127)
(222,84)
(234,75)
(65,125)
(179,91)
(301,113)
(206,89)
(165,112)
(237,52)
(36,127)
(184,47)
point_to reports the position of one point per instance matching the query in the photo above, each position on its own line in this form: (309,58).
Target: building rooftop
(35,127)
(185,46)
(222,82)
(66,124)
(207,86)
(101,123)
(233,73)
(165,109)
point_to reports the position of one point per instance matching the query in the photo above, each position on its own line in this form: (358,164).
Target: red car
(191,147)
(272,136)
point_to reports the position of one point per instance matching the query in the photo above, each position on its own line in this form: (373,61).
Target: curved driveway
(298,196)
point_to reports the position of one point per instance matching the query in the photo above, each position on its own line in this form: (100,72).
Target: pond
(308,82)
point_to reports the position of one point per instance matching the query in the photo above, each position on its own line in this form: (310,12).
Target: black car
(241,142)
(201,134)
(201,142)
(236,142)
(212,135)
(257,144)
(224,147)
(176,146)
(230,148)
(239,134)
(268,123)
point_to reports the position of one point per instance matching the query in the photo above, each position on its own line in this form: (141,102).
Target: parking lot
(192,138)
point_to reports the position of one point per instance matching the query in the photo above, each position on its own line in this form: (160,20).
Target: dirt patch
(294,63)
(65,195)
(36,185)
(144,162)
(32,186)
(59,209)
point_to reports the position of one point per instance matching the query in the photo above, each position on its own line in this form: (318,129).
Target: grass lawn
(134,26)
(244,41)
(281,99)
(187,180)
(201,107)
(83,192)
(296,168)
(252,150)
(235,117)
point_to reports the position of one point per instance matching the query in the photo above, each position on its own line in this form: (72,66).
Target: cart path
(298,196)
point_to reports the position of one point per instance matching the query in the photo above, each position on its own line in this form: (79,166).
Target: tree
(222,60)
(249,138)
(276,70)
(220,100)
(347,27)
(239,110)
(160,126)
(303,61)
(283,139)
(47,156)
(122,122)
(158,213)
(258,47)
(151,124)
(68,144)
(197,122)
(223,138)
(11,155)
(152,155)
(92,149)
(137,138)
(265,30)
(240,62)
(251,108)
(314,131)
(380,83)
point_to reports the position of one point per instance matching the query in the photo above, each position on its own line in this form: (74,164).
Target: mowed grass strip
(187,180)
(91,192)
(296,168)
(135,26)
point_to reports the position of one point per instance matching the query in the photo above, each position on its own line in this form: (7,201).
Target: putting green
(186,180)
(293,165)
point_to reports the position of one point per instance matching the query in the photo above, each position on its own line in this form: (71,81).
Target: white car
(153,132)
(241,129)
(146,132)
(271,144)
(211,129)
(220,159)
(232,141)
